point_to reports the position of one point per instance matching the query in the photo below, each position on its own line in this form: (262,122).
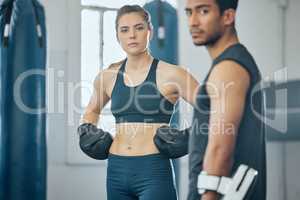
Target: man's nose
(193,20)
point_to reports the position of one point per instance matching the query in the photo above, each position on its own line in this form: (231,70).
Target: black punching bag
(23,119)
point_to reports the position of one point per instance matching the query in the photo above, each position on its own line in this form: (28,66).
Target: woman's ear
(117,38)
(151,34)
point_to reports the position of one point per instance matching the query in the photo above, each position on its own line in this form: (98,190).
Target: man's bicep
(227,88)
(224,122)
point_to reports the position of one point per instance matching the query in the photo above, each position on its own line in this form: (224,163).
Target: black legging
(140,178)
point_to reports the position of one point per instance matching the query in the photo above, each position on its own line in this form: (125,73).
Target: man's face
(205,21)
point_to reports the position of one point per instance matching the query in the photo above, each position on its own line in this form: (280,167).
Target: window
(96,41)
(119,3)
(99,46)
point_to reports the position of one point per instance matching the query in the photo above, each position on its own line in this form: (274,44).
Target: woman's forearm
(91,117)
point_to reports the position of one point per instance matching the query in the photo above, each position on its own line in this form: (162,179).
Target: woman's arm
(187,85)
(97,101)
(175,81)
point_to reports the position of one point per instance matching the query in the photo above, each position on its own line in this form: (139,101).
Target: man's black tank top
(250,144)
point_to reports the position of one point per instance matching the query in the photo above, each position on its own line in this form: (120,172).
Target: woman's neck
(136,62)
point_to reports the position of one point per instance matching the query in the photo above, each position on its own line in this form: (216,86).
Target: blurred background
(77,35)
(81,41)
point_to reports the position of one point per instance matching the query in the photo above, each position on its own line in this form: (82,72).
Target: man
(225,130)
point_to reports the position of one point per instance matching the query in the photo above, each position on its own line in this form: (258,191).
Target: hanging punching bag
(23,118)
(3,132)
(164,45)
(164,42)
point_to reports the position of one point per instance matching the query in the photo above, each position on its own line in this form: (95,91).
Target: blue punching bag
(3,132)
(164,45)
(23,118)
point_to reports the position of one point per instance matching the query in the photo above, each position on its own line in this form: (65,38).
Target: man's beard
(210,41)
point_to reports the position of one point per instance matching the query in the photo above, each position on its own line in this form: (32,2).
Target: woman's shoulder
(110,72)
(168,68)
(115,65)
(112,69)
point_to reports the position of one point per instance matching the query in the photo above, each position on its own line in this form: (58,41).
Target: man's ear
(229,17)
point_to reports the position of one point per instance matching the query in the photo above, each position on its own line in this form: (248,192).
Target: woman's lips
(134,44)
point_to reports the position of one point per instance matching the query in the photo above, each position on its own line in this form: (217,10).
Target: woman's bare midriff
(135,139)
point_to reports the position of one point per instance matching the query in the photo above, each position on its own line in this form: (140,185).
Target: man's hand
(210,196)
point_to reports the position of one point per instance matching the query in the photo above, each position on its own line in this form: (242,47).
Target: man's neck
(222,44)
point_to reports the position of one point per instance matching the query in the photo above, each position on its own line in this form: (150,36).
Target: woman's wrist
(86,121)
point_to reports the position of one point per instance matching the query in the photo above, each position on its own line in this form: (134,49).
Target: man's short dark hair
(227,4)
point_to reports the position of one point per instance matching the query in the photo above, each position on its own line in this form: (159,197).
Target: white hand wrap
(234,188)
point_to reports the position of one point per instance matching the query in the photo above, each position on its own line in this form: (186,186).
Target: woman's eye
(140,28)
(124,30)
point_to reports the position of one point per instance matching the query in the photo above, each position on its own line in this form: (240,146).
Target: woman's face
(133,33)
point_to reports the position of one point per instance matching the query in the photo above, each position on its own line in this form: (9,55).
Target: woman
(143,92)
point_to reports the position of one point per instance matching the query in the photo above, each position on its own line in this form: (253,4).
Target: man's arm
(227,88)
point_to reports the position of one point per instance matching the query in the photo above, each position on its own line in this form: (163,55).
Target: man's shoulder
(229,70)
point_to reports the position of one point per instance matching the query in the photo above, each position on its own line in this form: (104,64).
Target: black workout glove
(172,142)
(94,142)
